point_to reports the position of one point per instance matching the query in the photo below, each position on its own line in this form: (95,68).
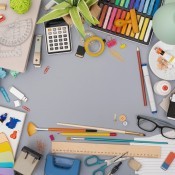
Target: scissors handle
(100,171)
(93,160)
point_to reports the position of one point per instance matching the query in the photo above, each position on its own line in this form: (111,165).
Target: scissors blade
(115,159)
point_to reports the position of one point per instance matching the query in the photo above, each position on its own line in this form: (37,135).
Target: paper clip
(26,108)
(5,95)
(46,69)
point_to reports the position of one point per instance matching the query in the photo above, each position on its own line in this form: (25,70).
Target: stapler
(26,162)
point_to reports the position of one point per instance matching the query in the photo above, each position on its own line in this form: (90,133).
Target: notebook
(16,35)
(153,166)
(12,126)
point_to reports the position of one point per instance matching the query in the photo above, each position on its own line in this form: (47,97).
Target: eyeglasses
(149,124)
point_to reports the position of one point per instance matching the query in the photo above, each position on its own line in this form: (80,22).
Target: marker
(149,88)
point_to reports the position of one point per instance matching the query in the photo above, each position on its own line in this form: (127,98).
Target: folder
(61,165)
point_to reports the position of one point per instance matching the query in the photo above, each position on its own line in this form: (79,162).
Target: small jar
(162,88)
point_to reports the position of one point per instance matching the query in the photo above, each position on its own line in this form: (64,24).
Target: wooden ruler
(106,149)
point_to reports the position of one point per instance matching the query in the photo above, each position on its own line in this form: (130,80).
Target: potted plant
(77,9)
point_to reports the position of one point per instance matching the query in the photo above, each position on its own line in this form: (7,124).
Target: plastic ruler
(106,149)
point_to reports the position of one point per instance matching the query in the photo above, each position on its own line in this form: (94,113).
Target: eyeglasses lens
(168,132)
(146,125)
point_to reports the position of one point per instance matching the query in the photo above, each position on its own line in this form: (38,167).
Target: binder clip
(26,162)
(110,42)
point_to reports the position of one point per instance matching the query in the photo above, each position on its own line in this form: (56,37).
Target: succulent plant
(77,9)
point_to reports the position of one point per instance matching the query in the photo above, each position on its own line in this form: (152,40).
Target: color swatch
(120,9)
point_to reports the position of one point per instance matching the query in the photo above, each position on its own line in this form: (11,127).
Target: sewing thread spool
(162,88)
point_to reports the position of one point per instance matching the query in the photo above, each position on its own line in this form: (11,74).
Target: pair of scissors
(95,160)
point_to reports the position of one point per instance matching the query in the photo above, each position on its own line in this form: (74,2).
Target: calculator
(58,37)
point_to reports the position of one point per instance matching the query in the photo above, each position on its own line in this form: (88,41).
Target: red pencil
(141,77)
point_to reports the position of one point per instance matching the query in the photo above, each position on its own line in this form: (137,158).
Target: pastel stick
(122,3)
(131,4)
(146,6)
(140,27)
(114,11)
(150,9)
(156,6)
(136,5)
(125,26)
(123,15)
(127,3)
(144,28)
(119,11)
(117,2)
(148,32)
(107,17)
(141,5)
(103,15)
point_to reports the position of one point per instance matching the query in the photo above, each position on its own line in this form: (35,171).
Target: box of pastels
(112,10)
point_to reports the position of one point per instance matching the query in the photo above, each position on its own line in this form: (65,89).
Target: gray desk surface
(83,91)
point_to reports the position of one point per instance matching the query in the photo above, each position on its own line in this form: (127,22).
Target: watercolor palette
(119,9)
(11,124)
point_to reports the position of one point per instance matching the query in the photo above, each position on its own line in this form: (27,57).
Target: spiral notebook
(16,35)
(153,166)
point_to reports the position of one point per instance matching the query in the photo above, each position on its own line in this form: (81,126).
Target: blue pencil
(115,140)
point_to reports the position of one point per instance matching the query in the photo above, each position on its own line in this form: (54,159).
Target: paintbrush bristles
(31,128)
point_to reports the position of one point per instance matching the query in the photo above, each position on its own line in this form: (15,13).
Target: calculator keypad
(58,39)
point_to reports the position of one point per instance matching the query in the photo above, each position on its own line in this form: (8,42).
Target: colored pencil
(141,77)
(115,140)
(97,134)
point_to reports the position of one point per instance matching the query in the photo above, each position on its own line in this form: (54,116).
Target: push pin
(2,18)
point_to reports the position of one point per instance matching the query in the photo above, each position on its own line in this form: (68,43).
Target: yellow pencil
(97,134)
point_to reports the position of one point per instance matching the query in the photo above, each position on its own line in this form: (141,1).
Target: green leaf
(76,2)
(91,2)
(53,15)
(61,6)
(74,13)
(84,10)
(59,1)
(96,21)
(70,2)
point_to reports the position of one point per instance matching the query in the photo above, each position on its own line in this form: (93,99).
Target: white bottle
(18,94)
(162,88)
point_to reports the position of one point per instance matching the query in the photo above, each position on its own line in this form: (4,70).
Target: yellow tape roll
(92,39)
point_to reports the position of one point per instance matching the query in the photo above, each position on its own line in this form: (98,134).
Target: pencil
(115,140)
(97,134)
(141,77)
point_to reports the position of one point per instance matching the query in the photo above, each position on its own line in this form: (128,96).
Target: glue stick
(168,57)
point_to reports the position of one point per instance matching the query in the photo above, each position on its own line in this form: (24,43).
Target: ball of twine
(20,6)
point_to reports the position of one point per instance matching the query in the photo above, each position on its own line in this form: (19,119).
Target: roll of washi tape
(94,39)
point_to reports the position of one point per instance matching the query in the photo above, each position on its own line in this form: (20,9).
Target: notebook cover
(14,126)
(171,110)
(18,63)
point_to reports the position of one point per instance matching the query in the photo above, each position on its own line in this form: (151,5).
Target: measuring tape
(89,41)
(106,149)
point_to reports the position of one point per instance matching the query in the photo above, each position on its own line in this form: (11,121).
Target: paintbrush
(115,140)
(32,129)
(102,129)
